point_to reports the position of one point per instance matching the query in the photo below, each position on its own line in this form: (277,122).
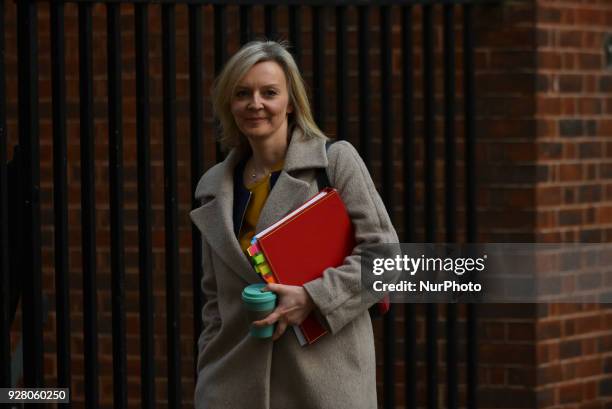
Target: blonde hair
(238,65)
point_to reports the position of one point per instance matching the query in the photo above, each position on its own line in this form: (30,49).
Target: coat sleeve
(339,294)
(211,317)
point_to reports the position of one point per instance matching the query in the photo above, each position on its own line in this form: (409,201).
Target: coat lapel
(290,191)
(214,218)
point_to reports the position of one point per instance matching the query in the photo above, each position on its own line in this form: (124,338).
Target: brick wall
(545,138)
(574,196)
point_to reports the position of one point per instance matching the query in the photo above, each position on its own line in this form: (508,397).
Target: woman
(276,150)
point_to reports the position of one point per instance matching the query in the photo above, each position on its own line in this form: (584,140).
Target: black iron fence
(20,210)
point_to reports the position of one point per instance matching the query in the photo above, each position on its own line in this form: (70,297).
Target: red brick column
(545,157)
(574,199)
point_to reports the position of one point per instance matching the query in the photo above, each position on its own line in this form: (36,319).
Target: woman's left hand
(294,305)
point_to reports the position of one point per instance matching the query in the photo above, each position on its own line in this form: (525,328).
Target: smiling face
(260,103)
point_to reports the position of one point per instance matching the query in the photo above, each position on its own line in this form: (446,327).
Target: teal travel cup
(259,304)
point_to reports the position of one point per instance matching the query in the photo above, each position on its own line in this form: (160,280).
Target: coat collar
(216,191)
(305,153)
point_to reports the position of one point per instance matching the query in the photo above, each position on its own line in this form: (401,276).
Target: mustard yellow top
(259,194)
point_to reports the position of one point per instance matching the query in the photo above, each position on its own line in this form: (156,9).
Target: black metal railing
(5,292)
(31,301)
(60,195)
(145,247)
(29,140)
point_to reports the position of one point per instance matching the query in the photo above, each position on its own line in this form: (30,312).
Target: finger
(287,310)
(275,315)
(270,319)
(280,329)
(273,287)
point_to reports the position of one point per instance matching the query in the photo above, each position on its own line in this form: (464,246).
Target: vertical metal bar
(450,201)
(295,38)
(410,335)
(472,355)
(428,124)
(88,203)
(365,136)
(270,21)
(30,143)
(470,128)
(245,24)
(386,96)
(145,253)
(60,196)
(220,37)
(115,174)
(408,123)
(5,296)
(449,122)
(470,195)
(197,160)
(431,333)
(220,51)
(171,206)
(430,198)
(451,356)
(318,64)
(409,199)
(341,74)
(389,358)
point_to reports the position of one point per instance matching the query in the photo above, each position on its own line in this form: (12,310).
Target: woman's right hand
(294,305)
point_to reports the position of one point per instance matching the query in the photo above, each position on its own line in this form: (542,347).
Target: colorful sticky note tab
(269,278)
(259,258)
(252,250)
(263,269)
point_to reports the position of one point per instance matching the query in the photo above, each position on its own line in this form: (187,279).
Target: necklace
(254,173)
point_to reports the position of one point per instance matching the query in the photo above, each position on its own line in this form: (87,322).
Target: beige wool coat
(238,371)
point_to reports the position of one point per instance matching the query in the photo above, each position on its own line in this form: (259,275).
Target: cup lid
(253,294)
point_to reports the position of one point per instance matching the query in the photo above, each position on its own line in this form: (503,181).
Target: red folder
(300,246)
